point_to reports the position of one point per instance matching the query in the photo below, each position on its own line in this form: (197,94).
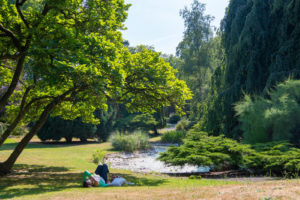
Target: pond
(147,162)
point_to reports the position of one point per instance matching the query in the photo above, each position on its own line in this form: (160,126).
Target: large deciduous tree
(198,53)
(66,58)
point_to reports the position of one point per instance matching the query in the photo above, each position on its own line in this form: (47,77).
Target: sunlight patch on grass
(155,139)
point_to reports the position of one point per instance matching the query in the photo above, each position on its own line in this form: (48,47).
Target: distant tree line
(115,119)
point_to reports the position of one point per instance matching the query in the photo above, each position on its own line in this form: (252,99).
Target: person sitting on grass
(92,180)
(102,170)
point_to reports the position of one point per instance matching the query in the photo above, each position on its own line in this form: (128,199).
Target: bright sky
(157,22)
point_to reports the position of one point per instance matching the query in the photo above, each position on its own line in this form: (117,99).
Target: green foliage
(220,153)
(107,122)
(143,121)
(173,136)
(195,177)
(200,149)
(200,54)
(275,158)
(130,142)
(129,122)
(77,46)
(57,128)
(99,157)
(71,60)
(174,118)
(183,124)
(261,49)
(273,119)
(3,127)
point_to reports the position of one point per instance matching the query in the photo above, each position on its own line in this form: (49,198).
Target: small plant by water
(98,156)
(182,124)
(130,142)
(173,136)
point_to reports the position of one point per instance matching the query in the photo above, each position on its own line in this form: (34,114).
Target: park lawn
(54,171)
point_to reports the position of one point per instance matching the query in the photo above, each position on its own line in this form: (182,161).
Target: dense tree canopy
(272,119)
(261,40)
(67,58)
(56,128)
(199,53)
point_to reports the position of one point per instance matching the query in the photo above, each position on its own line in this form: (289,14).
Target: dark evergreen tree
(57,128)
(107,122)
(261,41)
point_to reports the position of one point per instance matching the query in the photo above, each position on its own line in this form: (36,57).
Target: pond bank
(146,161)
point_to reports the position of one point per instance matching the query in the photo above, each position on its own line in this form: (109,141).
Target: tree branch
(44,13)
(25,96)
(10,57)
(10,34)
(14,82)
(18,4)
(46,9)
(16,55)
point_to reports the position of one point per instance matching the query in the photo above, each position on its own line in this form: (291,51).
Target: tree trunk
(83,140)
(9,130)
(23,110)
(155,131)
(13,83)
(6,166)
(68,139)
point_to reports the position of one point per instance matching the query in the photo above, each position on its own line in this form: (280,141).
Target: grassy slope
(47,171)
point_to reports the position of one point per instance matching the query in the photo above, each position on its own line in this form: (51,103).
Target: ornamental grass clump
(173,136)
(99,157)
(182,124)
(130,142)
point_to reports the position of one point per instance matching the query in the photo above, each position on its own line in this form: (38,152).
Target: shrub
(57,128)
(98,157)
(130,142)
(131,122)
(182,124)
(277,158)
(278,118)
(173,136)
(107,122)
(220,153)
(174,118)
(195,177)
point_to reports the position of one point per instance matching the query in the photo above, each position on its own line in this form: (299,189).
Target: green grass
(54,171)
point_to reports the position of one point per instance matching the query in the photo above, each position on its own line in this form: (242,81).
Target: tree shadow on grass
(25,169)
(37,179)
(35,145)
(142,181)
